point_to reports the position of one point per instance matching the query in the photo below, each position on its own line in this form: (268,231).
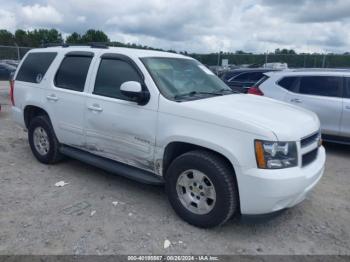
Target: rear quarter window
(34,67)
(288,83)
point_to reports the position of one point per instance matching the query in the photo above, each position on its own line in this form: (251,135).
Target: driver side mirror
(133,90)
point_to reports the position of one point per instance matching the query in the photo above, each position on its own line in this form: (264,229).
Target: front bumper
(264,191)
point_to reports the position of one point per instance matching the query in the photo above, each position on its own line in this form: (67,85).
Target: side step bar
(118,168)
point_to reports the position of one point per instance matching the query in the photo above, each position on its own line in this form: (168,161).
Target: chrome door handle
(52,97)
(295,100)
(96,108)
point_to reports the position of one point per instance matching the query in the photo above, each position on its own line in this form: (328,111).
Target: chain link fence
(293,60)
(13,52)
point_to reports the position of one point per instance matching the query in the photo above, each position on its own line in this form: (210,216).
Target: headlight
(276,155)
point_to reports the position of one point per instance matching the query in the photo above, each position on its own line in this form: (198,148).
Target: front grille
(308,158)
(309,140)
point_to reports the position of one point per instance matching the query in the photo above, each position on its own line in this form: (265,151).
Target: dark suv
(242,79)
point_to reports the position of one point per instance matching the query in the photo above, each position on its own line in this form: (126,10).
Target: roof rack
(92,45)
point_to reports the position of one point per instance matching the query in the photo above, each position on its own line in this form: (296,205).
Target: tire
(50,154)
(217,174)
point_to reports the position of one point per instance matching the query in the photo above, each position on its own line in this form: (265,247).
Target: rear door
(66,97)
(345,121)
(322,95)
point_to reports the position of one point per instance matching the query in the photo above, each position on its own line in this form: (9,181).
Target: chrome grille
(309,140)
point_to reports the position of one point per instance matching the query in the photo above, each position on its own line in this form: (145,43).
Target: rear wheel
(202,189)
(43,141)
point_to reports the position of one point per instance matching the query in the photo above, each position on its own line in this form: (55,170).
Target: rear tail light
(12,87)
(255,90)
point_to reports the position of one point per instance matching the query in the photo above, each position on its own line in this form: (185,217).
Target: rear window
(288,83)
(72,73)
(320,85)
(248,77)
(34,67)
(228,75)
(262,80)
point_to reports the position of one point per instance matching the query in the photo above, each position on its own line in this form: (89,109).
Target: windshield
(183,79)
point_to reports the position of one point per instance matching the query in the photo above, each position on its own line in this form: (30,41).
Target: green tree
(92,35)
(74,38)
(6,37)
(44,36)
(21,38)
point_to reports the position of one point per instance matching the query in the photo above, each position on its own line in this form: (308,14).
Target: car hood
(251,113)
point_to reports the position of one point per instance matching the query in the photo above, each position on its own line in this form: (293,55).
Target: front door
(116,127)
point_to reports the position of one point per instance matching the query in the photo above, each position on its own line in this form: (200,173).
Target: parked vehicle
(325,92)
(280,66)
(241,80)
(5,71)
(160,117)
(11,62)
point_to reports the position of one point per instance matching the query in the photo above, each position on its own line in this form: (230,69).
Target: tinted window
(249,77)
(242,77)
(35,66)
(288,83)
(111,74)
(320,85)
(229,75)
(347,88)
(72,73)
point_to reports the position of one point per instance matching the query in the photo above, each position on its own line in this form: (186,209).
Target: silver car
(323,91)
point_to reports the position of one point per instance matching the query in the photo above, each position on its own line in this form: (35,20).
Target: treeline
(37,37)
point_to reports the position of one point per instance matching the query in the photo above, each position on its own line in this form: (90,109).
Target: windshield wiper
(228,90)
(193,93)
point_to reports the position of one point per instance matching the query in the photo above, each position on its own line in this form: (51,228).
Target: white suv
(159,117)
(323,91)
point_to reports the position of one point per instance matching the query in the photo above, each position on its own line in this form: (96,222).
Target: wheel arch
(176,148)
(31,111)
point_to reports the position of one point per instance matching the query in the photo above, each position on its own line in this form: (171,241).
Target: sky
(200,26)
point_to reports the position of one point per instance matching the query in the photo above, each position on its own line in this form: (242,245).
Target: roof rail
(320,69)
(92,45)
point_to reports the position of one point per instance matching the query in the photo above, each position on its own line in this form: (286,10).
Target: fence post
(18,54)
(324,61)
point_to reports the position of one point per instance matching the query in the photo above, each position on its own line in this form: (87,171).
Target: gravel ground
(80,218)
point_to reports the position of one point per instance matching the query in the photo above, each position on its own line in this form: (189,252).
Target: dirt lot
(38,218)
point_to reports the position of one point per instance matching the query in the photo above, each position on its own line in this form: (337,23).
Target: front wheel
(202,188)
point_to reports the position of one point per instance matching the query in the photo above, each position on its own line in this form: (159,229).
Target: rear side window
(34,67)
(72,73)
(288,83)
(320,85)
(111,74)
